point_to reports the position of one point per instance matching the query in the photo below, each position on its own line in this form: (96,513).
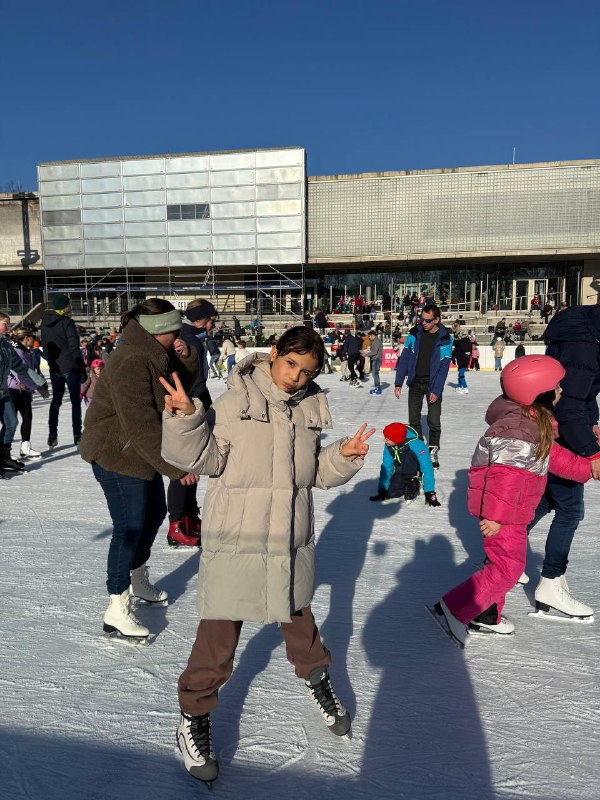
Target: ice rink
(85,719)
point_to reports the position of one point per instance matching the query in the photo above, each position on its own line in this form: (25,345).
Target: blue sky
(363,86)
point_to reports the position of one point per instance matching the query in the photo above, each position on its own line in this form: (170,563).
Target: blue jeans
(72,380)
(375,364)
(497,362)
(462,383)
(8,415)
(137,509)
(213,366)
(230,363)
(565,498)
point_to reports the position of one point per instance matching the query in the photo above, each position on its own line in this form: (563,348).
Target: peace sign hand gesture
(176,399)
(357,446)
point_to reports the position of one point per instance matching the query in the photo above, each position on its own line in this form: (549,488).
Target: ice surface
(82,718)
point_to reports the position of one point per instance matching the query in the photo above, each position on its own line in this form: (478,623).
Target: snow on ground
(83,718)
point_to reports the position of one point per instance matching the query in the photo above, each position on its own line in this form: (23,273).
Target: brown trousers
(211,661)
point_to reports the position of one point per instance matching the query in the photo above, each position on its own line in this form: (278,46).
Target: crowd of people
(150,416)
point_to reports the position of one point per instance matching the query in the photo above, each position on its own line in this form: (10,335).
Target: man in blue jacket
(424,362)
(573,338)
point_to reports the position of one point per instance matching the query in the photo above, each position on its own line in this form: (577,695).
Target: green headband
(168,322)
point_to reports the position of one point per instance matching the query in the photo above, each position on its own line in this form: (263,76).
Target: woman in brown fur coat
(122,441)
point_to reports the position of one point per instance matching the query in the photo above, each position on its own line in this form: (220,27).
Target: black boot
(10,462)
(1,464)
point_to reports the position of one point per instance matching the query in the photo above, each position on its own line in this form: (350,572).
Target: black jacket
(462,352)
(61,345)
(350,346)
(573,338)
(189,334)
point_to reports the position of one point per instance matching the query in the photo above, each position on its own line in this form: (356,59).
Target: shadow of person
(425,736)
(465,525)
(352,521)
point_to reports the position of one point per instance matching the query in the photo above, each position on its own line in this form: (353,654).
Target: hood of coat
(251,378)
(506,420)
(52,318)
(577,324)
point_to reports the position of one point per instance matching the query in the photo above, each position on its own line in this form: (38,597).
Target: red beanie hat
(396,431)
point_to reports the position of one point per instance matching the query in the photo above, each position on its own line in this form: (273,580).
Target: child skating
(405,459)
(260,445)
(506,481)
(86,393)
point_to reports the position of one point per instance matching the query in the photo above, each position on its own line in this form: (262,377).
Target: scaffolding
(99,297)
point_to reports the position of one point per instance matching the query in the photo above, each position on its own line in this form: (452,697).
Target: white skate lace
(129,613)
(566,593)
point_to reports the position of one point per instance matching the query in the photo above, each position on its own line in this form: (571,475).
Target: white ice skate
(142,589)
(503,628)
(27,451)
(120,623)
(553,600)
(194,740)
(434,455)
(456,630)
(524,579)
(333,712)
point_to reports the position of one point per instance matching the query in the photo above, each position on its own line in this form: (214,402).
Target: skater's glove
(431,499)
(381,495)
(44,391)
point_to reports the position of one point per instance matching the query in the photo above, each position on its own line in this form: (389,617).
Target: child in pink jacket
(86,393)
(506,482)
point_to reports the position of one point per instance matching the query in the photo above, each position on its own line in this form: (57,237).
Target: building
(248,229)
(478,236)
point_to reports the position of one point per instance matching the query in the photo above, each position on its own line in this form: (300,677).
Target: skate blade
(131,641)
(442,624)
(140,601)
(492,634)
(561,618)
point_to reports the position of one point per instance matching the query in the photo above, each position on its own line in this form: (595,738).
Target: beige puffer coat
(261,448)
(499,348)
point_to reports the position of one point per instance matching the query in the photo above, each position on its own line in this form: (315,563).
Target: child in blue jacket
(405,457)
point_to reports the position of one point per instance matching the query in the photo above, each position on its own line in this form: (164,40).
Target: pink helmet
(525,378)
(97,362)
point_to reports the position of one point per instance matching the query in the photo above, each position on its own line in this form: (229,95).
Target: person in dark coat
(573,338)
(122,442)
(62,351)
(461,356)
(184,515)
(351,351)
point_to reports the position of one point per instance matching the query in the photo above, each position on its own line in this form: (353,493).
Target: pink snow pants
(505,553)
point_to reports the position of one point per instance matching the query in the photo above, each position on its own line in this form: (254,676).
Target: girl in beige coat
(260,446)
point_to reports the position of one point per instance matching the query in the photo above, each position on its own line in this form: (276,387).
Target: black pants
(22,404)
(181,500)
(357,361)
(416,393)
(72,380)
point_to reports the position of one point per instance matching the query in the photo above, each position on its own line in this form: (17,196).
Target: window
(50,218)
(196,211)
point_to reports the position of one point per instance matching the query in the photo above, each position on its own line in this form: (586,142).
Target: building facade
(478,236)
(248,229)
